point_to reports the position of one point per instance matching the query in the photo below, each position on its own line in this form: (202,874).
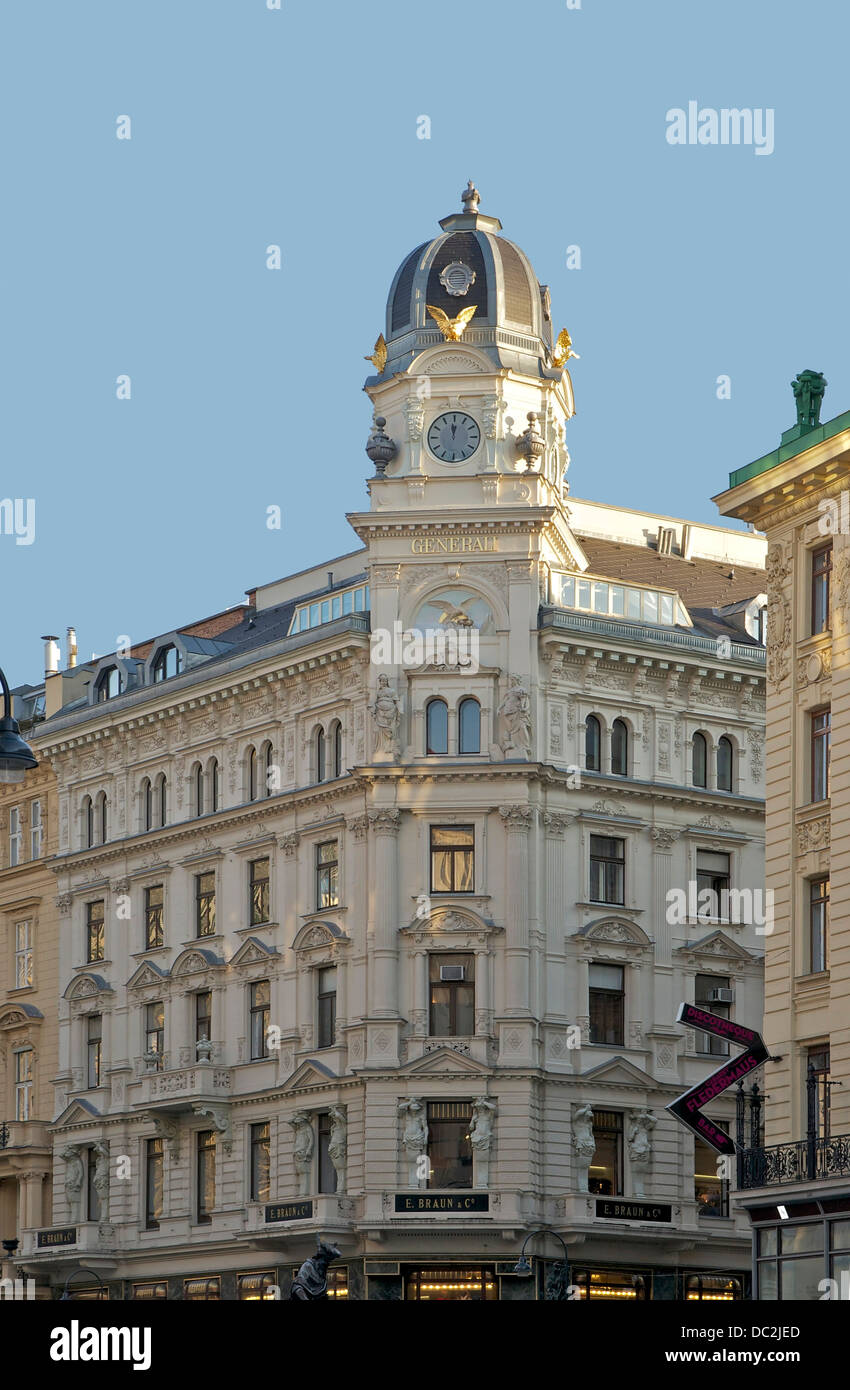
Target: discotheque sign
(688,1107)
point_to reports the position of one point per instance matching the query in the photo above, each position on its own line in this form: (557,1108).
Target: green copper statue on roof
(808,388)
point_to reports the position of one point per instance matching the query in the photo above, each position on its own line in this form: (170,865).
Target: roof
(701,584)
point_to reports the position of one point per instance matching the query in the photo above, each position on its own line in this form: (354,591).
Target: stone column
(482,991)
(419,1006)
(385,828)
(517,822)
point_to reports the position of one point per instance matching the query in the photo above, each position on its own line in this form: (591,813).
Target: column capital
(385,822)
(517,818)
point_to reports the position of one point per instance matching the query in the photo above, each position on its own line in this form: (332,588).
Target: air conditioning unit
(721,996)
(452,972)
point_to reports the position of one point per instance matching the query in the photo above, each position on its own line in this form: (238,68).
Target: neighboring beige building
(378,941)
(797,1186)
(29,986)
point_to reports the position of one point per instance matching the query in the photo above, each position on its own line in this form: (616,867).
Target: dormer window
(168,663)
(110,682)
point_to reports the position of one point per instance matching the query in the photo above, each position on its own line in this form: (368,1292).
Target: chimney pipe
(72,646)
(51,655)
(330,579)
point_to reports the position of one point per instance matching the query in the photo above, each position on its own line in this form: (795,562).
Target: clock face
(453,437)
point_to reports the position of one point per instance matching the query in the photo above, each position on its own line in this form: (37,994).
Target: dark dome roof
(469,264)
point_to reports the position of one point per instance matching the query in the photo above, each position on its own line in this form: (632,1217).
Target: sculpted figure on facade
(584,1143)
(101,1178)
(481,1137)
(302,1153)
(640,1148)
(74,1179)
(414,1135)
(515,721)
(386,712)
(338,1144)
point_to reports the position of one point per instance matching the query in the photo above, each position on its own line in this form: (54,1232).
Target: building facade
(796,1183)
(378,897)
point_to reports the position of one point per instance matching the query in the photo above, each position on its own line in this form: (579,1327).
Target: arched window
(700,760)
(320,755)
(162,799)
(619,748)
(338,750)
(109,683)
(469,727)
(169,662)
(88,823)
(101,818)
(592,744)
(212,771)
(147,804)
(268,770)
(198,788)
(724,765)
(437,727)
(252,774)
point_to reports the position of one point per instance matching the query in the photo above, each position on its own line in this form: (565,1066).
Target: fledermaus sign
(688,1108)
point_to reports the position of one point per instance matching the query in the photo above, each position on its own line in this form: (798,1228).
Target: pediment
(443,1060)
(617,931)
(717,944)
(314,935)
(620,1072)
(16,1015)
(79,1112)
(449,921)
(253,950)
(147,974)
(87,986)
(309,1073)
(195,960)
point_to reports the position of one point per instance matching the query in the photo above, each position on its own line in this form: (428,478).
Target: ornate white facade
(280,743)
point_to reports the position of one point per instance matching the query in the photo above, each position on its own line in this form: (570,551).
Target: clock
(453,437)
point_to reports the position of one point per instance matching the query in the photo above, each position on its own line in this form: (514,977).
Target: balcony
(182,1085)
(804,1160)
(24,1134)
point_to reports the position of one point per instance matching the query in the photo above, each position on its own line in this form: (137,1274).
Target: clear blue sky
(298,126)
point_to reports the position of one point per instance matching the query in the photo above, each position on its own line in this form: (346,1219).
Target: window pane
(470,727)
(800,1278)
(437,722)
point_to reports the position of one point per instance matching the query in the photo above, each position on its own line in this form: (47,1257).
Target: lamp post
(559,1279)
(16,756)
(66,1295)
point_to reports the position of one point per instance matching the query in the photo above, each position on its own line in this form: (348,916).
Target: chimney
(51,655)
(330,579)
(72,646)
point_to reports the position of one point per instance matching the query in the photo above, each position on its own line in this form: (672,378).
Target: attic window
(619,600)
(109,683)
(326,610)
(168,663)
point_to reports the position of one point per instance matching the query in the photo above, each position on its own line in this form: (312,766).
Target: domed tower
(470,380)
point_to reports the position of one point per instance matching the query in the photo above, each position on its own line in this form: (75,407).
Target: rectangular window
(155,1033)
(327,875)
(607,869)
(95,942)
(821,577)
(259,994)
(92,1196)
(154,1290)
(452,858)
(706,989)
(154,929)
(713,882)
(327,1172)
(607,1004)
(23,1084)
(605,1176)
(818,924)
(260,1162)
(821,739)
(202,1290)
(203,1017)
(818,1095)
(14,836)
(326,1001)
(711,1193)
(255,1288)
(449,1147)
(94,1048)
(23,955)
(153,1183)
(205,1176)
(258,892)
(35,830)
(205,904)
(452,982)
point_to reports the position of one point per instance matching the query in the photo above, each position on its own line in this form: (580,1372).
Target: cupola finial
(470,197)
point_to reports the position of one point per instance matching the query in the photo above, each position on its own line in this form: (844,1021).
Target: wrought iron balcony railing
(805,1160)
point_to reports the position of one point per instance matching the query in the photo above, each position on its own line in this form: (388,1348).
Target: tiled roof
(701,584)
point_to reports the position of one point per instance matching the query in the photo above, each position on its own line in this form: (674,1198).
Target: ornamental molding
(813,834)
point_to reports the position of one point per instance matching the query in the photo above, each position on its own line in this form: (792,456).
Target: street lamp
(66,1295)
(523,1267)
(16,756)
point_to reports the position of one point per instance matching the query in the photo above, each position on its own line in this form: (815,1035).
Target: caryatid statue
(302,1153)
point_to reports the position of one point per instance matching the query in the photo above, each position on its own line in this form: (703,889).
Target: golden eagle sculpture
(451,329)
(563,350)
(378,354)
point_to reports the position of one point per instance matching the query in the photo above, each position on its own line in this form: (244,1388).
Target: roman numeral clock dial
(453,437)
